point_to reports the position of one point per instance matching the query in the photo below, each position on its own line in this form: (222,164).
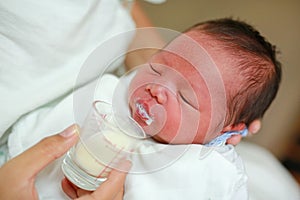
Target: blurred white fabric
(267,177)
(44,45)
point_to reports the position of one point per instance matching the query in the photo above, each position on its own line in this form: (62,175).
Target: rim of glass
(143,135)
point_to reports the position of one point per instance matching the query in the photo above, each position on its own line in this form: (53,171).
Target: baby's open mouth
(143,114)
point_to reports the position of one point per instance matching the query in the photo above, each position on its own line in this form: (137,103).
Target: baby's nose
(157,91)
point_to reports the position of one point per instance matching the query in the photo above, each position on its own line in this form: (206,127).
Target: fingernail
(70,131)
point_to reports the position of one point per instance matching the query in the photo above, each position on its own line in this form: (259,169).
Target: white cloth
(45,43)
(218,174)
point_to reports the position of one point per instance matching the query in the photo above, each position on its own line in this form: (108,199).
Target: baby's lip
(142,111)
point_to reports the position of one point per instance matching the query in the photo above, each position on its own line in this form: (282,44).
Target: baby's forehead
(187,51)
(190,54)
(200,51)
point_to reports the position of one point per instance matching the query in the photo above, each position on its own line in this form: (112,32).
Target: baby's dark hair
(261,73)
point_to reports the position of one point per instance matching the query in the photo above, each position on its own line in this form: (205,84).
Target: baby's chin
(161,138)
(158,139)
(153,134)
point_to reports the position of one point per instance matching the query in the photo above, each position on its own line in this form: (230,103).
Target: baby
(222,62)
(205,86)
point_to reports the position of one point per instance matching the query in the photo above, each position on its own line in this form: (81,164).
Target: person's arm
(147,38)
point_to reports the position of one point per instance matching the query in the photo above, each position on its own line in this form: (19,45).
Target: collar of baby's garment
(221,140)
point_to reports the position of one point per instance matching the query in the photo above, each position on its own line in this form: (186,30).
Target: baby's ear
(237,127)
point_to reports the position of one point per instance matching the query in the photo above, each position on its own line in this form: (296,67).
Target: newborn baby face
(168,97)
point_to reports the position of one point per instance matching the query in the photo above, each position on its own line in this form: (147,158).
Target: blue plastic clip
(221,140)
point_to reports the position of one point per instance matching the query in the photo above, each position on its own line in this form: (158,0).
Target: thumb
(44,152)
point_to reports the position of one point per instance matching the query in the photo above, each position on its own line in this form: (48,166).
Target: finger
(68,188)
(72,190)
(81,192)
(114,184)
(119,196)
(254,126)
(40,155)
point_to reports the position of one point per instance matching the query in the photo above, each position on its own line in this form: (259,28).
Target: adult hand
(253,128)
(18,175)
(111,189)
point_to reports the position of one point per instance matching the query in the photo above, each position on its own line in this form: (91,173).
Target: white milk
(109,146)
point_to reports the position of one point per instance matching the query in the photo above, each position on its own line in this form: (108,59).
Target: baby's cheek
(172,124)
